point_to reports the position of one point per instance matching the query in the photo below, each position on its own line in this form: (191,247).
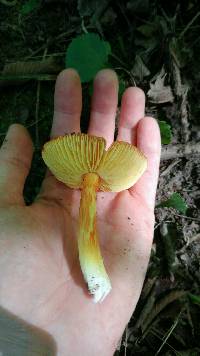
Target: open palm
(40,276)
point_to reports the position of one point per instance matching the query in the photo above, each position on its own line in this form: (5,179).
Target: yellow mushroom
(81,162)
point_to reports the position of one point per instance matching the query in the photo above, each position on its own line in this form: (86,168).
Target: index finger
(67,103)
(149,142)
(67,112)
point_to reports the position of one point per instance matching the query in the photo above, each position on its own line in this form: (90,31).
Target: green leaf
(176,202)
(165,131)
(30,6)
(87,54)
(194,298)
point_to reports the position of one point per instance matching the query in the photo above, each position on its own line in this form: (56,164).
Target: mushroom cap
(71,156)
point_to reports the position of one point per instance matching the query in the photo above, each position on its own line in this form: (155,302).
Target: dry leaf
(158,92)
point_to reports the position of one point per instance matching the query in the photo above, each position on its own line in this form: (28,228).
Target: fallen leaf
(158,92)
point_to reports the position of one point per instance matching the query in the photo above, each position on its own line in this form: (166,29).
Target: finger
(104,105)
(132,110)
(149,142)
(67,103)
(67,112)
(15,161)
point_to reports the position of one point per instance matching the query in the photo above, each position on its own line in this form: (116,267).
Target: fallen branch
(181,90)
(8,3)
(180,150)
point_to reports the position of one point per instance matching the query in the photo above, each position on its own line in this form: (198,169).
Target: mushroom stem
(89,251)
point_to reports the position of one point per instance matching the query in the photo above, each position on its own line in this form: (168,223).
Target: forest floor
(155,46)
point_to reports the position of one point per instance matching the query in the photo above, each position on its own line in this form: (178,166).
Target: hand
(40,276)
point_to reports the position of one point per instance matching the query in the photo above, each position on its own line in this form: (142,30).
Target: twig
(119,60)
(180,150)
(181,91)
(129,73)
(83,26)
(8,3)
(57,54)
(49,42)
(186,217)
(124,14)
(11,78)
(184,113)
(189,25)
(155,332)
(168,169)
(146,310)
(169,333)
(189,318)
(159,306)
(49,65)
(161,222)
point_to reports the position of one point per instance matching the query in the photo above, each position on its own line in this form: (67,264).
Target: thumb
(15,160)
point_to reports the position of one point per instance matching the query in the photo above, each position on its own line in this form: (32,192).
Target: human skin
(40,276)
